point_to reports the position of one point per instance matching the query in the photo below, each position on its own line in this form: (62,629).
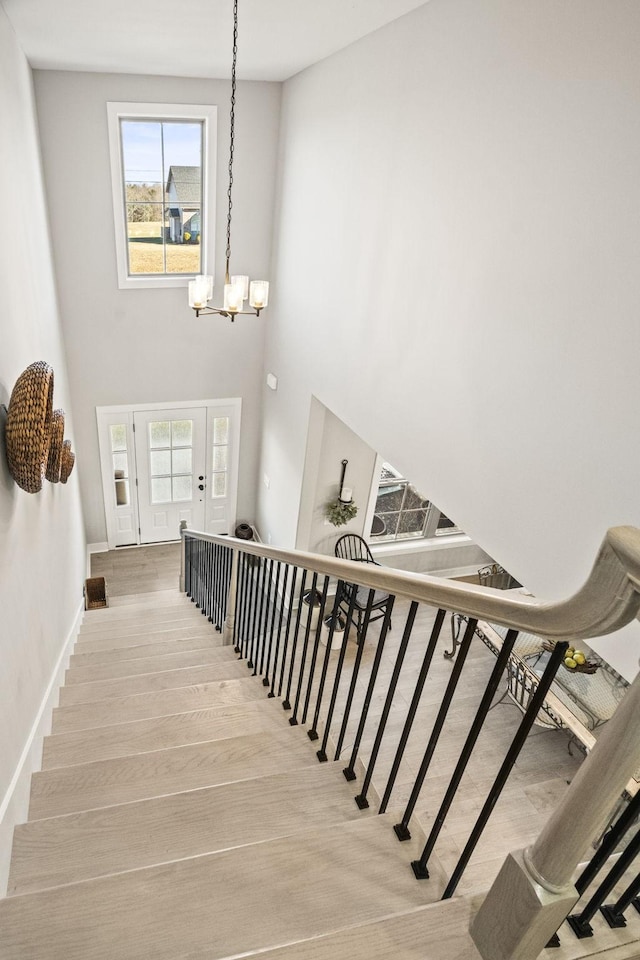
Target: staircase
(177,816)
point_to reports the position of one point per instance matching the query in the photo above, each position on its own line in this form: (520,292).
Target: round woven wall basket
(28,427)
(54,461)
(68,460)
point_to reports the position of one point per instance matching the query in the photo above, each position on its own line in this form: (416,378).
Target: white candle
(347,495)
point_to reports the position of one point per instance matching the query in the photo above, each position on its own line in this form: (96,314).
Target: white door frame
(130,408)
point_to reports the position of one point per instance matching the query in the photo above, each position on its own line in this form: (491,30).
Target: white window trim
(162,111)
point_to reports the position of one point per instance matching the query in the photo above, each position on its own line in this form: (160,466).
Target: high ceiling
(192,38)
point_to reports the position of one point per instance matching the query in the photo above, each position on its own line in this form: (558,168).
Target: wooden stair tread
(240,900)
(128,668)
(199,628)
(95,843)
(102,783)
(143,625)
(91,691)
(157,733)
(134,611)
(438,931)
(147,647)
(160,703)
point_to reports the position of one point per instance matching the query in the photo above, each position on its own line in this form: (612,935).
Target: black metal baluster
(228,567)
(513,752)
(614,912)
(274,610)
(242,603)
(354,674)
(292,593)
(313,732)
(415,701)
(259,636)
(361,799)
(210,581)
(579,922)
(316,645)
(322,752)
(187,566)
(349,771)
(610,841)
(214,612)
(276,655)
(253,597)
(293,719)
(420,868)
(286,703)
(268,625)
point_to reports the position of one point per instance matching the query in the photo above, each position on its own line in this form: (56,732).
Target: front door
(170,456)
(165,463)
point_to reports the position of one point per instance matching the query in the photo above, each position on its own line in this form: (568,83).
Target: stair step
(158,620)
(129,668)
(102,783)
(147,633)
(146,648)
(95,843)
(160,703)
(136,611)
(155,598)
(91,691)
(157,733)
(227,903)
(438,931)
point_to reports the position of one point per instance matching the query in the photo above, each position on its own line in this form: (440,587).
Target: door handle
(200,478)
(201,486)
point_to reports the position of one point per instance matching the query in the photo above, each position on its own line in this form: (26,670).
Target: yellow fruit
(579,656)
(570,662)
(569,652)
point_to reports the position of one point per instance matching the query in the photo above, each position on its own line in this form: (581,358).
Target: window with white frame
(163,178)
(402,513)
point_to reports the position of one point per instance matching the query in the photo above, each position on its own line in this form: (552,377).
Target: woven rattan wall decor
(34,431)
(68,460)
(54,461)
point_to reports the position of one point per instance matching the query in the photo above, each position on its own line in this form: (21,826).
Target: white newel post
(229,623)
(183,526)
(533,893)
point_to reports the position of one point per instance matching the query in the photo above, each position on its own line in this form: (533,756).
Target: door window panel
(120,460)
(220,463)
(171,461)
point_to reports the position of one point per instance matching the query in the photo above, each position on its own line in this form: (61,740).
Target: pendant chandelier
(237,288)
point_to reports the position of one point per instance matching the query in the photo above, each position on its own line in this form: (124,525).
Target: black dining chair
(353,547)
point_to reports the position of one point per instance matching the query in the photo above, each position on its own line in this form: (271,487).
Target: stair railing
(264,598)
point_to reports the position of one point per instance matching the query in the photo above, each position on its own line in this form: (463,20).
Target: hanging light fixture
(237,288)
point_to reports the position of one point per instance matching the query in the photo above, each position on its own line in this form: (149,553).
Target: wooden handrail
(609,599)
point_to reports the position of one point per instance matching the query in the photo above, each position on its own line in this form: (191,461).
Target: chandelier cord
(232,121)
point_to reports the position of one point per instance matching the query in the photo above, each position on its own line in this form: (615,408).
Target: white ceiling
(192,38)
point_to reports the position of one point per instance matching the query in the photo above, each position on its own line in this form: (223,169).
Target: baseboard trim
(14,808)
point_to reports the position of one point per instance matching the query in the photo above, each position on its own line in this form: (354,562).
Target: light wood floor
(540,776)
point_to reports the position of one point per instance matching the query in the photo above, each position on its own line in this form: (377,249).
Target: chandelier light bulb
(259,296)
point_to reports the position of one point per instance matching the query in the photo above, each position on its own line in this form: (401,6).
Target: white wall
(42,550)
(456,273)
(140,346)
(329,442)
